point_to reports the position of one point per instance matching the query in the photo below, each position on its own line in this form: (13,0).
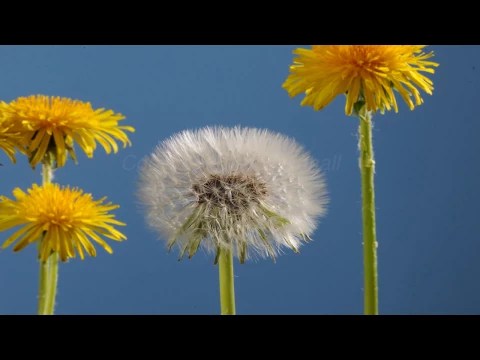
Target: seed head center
(236,192)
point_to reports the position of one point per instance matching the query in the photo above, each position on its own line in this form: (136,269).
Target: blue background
(427,184)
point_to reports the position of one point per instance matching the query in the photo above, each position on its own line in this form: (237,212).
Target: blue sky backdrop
(427,184)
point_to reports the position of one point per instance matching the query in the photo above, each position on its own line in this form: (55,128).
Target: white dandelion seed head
(247,190)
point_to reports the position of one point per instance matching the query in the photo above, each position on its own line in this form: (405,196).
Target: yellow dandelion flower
(66,217)
(54,123)
(10,141)
(370,72)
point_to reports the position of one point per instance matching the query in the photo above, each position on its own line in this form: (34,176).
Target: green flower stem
(48,269)
(227,291)
(367,168)
(43,283)
(52,283)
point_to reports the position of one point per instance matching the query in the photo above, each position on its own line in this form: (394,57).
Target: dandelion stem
(52,282)
(42,287)
(367,168)
(48,269)
(227,291)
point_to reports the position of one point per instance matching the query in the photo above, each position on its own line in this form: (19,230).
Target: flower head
(54,123)
(10,141)
(240,189)
(368,72)
(66,217)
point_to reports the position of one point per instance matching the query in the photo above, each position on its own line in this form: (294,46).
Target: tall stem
(48,269)
(52,283)
(367,168)
(43,283)
(227,291)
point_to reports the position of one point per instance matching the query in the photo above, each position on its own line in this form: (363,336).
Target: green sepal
(242,250)
(189,222)
(182,253)
(217,256)
(295,250)
(199,235)
(358,107)
(194,247)
(267,243)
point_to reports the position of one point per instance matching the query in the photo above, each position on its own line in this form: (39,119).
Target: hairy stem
(52,283)
(367,168)
(48,269)
(227,291)
(43,284)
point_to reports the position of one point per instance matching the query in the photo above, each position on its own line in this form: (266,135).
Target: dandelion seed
(245,190)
